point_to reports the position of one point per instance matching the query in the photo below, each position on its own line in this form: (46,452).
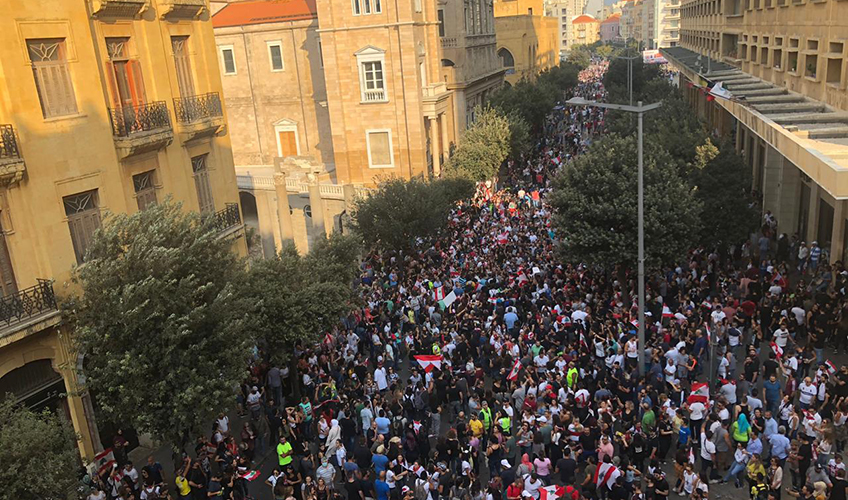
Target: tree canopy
(296,297)
(39,455)
(595,203)
(163,331)
(534,100)
(483,148)
(399,211)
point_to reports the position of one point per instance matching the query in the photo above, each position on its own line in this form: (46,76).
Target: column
(771,179)
(837,236)
(284,217)
(317,204)
(740,137)
(813,217)
(790,198)
(434,146)
(445,141)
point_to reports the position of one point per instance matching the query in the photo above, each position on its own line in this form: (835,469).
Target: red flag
(513,374)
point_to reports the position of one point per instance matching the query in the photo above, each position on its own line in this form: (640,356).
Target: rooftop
(584,18)
(612,19)
(264,11)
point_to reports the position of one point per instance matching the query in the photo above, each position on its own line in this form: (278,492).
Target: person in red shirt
(513,491)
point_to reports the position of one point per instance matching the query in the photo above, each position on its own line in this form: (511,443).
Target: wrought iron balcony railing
(198,107)
(8,143)
(227,218)
(130,120)
(28,303)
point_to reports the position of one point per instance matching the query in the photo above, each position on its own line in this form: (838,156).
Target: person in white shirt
(670,371)
(807,392)
(380,378)
(708,450)
(781,336)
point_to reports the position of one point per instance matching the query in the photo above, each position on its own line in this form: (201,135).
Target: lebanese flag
(104,461)
(502,239)
(513,374)
(667,312)
(551,492)
(250,475)
(700,393)
(521,279)
(777,350)
(606,474)
(831,368)
(416,426)
(429,361)
(439,293)
(564,320)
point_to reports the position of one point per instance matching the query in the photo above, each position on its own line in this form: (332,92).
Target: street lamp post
(639,109)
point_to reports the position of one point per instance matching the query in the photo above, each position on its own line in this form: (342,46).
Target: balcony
(140,129)
(199,116)
(25,310)
(117,8)
(181,9)
(12,166)
(448,42)
(375,95)
(227,220)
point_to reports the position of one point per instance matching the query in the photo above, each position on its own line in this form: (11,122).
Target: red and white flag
(709,333)
(700,393)
(521,279)
(551,492)
(831,368)
(429,361)
(778,351)
(513,374)
(439,293)
(667,312)
(104,462)
(250,475)
(606,474)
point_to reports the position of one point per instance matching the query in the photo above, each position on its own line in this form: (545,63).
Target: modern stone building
(660,23)
(784,61)
(104,106)
(585,30)
(565,12)
(526,38)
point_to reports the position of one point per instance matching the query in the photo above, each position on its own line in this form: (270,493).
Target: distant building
(526,38)
(610,28)
(565,11)
(586,30)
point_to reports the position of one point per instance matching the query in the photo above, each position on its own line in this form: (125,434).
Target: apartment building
(784,62)
(586,30)
(611,28)
(630,25)
(105,106)
(660,23)
(526,38)
(565,12)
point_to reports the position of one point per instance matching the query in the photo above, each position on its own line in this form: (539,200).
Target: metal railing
(28,303)
(227,218)
(147,117)
(198,107)
(8,143)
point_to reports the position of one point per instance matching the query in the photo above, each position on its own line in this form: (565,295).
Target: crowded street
(482,367)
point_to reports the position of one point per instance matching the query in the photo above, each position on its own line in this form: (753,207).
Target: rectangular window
(145,191)
(356,8)
(373,85)
(275,55)
(441,22)
(201,183)
(378,7)
(83,211)
(185,82)
(380,149)
(124,75)
(367,5)
(228,59)
(52,77)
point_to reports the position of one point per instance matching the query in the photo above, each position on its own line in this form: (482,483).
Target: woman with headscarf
(526,466)
(741,429)
(333,437)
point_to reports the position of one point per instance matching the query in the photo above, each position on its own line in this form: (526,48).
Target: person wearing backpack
(422,487)
(760,490)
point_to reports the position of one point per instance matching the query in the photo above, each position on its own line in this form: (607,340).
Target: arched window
(447,63)
(507,61)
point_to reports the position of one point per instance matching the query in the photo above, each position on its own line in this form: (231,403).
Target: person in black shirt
(566,467)
(770,365)
(660,486)
(840,486)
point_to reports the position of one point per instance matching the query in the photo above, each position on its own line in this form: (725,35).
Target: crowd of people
(482,367)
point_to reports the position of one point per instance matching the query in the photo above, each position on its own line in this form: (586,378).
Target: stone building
(104,106)
(610,28)
(565,12)
(585,30)
(784,62)
(526,38)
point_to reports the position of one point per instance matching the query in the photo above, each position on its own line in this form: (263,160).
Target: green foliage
(483,148)
(294,298)
(534,100)
(519,136)
(595,202)
(723,186)
(644,76)
(39,455)
(159,321)
(580,56)
(399,211)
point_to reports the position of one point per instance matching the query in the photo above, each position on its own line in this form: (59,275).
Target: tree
(595,203)
(163,332)
(519,135)
(296,297)
(483,148)
(722,184)
(534,100)
(39,455)
(399,211)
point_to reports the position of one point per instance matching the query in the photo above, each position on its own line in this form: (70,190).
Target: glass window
(275,53)
(228,59)
(380,149)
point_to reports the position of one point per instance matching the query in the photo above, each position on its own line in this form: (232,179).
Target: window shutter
(113,85)
(136,82)
(7,274)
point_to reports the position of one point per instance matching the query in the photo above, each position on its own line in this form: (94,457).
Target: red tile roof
(585,18)
(612,19)
(264,11)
